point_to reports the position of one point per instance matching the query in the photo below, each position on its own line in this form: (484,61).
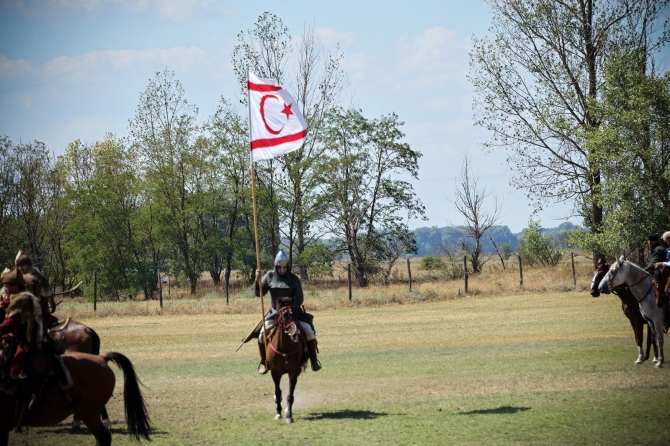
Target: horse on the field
(630,308)
(286,354)
(71,335)
(639,282)
(92,386)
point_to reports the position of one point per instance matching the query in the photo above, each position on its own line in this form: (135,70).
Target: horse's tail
(95,341)
(137,417)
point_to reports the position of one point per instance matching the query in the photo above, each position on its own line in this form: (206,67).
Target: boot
(262,367)
(316,365)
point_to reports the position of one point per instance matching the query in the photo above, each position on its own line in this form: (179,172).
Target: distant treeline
(430,241)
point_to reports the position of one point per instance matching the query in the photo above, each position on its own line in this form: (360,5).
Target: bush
(432,263)
(536,249)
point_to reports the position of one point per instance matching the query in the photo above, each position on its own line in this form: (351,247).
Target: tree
(175,163)
(632,146)
(107,233)
(364,199)
(290,184)
(538,79)
(471,203)
(229,134)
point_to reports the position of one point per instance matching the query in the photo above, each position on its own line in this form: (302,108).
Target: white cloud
(331,37)
(170,9)
(438,50)
(100,65)
(14,68)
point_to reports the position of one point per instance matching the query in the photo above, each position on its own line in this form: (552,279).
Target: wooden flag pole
(258,249)
(253,200)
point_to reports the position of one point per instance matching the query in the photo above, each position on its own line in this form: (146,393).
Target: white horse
(639,283)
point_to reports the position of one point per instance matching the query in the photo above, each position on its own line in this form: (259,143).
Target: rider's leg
(262,367)
(313,349)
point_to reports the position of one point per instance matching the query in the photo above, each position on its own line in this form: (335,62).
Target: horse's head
(287,320)
(601,269)
(615,276)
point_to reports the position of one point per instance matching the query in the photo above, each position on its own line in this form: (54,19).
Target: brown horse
(93,385)
(71,335)
(630,308)
(286,354)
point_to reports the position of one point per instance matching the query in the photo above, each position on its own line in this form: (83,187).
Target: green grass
(550,369)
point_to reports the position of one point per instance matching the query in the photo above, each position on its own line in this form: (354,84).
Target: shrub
(536,249)
(432,263)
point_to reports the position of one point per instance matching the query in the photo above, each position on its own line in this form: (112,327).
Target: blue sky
(74,69)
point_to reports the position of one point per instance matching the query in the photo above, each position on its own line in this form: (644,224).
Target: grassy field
(554,368)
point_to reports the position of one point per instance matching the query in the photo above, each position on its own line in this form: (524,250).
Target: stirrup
(316,365)
(262,368)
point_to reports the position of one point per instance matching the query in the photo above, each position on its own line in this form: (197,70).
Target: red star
(287,110)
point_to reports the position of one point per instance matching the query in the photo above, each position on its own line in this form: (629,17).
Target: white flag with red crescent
(275,121)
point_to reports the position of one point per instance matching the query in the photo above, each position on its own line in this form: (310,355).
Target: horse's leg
(650,343)
(105,418)
(638,329)
(293,380)
(276,377)
(654,317)
(100,432)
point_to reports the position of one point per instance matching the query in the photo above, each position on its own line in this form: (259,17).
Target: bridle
(282,325)
(616,271)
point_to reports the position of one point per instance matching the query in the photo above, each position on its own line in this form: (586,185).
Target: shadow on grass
(67,429)
(346,414)
(497,410)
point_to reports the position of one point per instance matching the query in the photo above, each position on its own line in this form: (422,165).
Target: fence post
(160,289)
(520,271)
(95,290)
(349,279)
(409,274)
(465,269)
(574,276)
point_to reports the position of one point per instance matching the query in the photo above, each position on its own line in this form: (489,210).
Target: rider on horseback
(282,283)
(38,285)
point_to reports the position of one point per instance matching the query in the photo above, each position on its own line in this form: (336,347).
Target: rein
(280,325)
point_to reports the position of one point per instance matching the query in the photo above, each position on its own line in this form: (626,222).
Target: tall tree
(364,196)
(537,79)
(166,133)
(632,146)
(316,81)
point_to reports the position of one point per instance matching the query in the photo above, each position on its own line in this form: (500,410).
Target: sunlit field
(539,364)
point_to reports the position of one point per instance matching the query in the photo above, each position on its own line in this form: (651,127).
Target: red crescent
(269,129)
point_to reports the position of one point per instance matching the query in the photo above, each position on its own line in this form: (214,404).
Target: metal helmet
(281,259)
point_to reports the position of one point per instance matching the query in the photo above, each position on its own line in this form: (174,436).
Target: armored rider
(38,285)
(282,283)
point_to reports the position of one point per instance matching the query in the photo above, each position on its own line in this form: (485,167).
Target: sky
(75,69)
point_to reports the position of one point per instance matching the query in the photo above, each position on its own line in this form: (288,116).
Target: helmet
(281,259)
(13,277)
(23,259)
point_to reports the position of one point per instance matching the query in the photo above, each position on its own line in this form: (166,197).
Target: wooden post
(349,279)
(409,274)
(465,268)
(160,289)
(95,290)
(574,276)
(520,271)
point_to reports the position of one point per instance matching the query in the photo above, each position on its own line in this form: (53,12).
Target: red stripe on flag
(271,142)
(262,87)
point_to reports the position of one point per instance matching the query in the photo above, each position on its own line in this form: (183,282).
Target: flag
(275,121)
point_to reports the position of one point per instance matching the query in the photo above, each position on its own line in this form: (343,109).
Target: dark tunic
(658,254)
(279,286)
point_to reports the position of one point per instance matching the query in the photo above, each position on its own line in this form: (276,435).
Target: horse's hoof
(76,424)
(655,360)
(659,365)
(289,420)
(278,417)
(107,423)
(639,361)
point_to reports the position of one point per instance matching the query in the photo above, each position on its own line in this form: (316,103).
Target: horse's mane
(638,269)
